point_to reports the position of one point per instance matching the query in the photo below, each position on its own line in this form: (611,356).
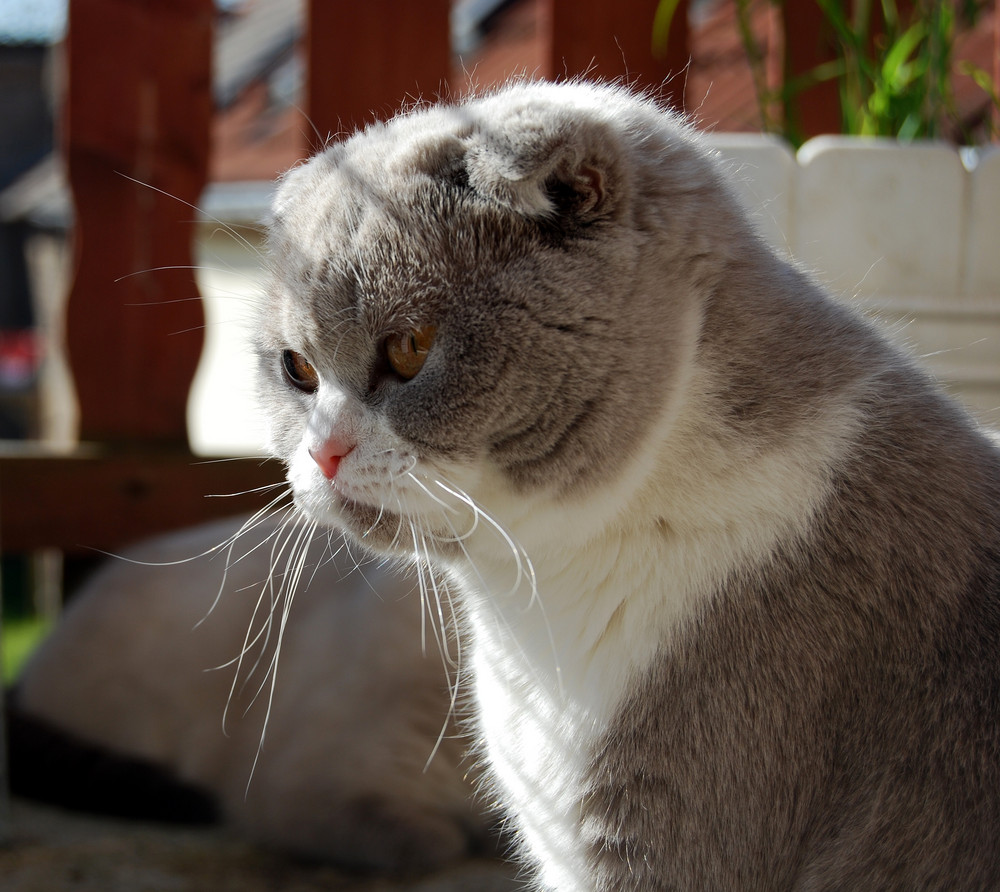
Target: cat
(347,766)
(725,564)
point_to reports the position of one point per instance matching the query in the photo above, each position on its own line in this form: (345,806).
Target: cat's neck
(604,580)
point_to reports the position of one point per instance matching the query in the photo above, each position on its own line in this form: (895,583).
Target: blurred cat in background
(122,708)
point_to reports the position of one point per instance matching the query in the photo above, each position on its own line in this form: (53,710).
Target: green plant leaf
(893,65)
(662,21)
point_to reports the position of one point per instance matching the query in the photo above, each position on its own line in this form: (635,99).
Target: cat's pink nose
(329,454)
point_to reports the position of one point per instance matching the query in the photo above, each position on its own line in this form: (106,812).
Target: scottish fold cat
(142,668)
(724,564)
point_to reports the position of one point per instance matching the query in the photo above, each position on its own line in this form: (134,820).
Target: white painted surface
(763,171)
(982,280)
(222,412)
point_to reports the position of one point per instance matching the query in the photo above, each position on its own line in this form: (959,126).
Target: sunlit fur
(720,558)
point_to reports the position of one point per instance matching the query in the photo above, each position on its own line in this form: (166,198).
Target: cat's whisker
(454,677)
(425,571)
(323,559)
(374,524)
(406,471)
(418,561)
(292,527)
(256,519)
(429,585)
(208,552)
(286,490)
(522,561)
(195,267)
(294,568)
(512,635)
(259,517)
(400,525)
(281,602)
(355,560)
(237,237)
(329,552)
(280,597)
(450,508)
(250,640)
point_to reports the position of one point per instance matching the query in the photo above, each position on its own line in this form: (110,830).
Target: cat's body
(140,666)
(727,563)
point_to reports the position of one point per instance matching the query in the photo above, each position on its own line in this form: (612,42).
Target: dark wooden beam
(104,499)
(614,40)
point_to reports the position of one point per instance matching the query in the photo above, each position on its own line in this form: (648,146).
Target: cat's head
(493,300)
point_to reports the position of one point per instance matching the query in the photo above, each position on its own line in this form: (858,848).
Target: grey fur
(828,717)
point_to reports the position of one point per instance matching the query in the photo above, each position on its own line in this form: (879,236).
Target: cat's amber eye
(407,351)
(299,371)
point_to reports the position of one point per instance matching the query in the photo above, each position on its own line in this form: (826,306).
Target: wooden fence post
(136,143)
(365,59)
(612,40)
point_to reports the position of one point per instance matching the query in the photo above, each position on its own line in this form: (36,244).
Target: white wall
(222,414)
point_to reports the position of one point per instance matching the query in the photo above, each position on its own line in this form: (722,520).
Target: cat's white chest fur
(549,669)
(537,745)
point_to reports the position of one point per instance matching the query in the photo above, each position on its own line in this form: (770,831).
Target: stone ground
(47,850)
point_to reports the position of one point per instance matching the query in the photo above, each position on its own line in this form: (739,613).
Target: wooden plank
(138,107)
(365,60)
(809,43)
(611,40)
(104,500)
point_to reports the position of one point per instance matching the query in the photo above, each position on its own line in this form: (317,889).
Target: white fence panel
(763,171)
(982,279)
(906,231)
(881,220)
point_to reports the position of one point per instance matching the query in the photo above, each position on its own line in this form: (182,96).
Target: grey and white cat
(727,564)
(142,667)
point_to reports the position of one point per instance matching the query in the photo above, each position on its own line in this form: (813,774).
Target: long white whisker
(254,521)
(246,492)
(227,228)
(295,567)
(428,586)
(214,549)
(250,639)
(197,267)
(522,561)
(450,508)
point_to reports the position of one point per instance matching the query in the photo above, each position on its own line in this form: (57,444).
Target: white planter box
(906,231)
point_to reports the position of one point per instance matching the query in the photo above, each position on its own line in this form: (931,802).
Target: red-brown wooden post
(138,108)
(808,44)
(608,40)
(366,59)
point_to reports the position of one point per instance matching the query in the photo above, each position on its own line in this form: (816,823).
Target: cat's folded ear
(572,171)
